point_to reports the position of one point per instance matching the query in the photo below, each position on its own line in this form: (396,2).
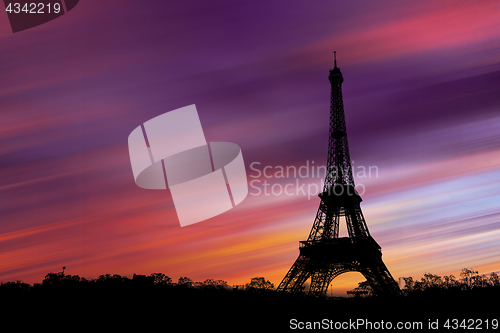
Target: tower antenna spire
(334,59)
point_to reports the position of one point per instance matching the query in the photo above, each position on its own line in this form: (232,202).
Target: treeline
(469,280)
(66,281)
(151,303)
(114,303)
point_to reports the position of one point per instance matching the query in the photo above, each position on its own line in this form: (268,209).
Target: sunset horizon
(421,104)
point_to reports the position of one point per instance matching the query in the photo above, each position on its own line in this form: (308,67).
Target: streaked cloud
(421,102)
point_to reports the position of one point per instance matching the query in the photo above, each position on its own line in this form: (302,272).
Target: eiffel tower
(325,255)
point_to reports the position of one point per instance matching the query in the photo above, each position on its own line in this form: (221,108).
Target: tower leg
(379,278)
(296,276)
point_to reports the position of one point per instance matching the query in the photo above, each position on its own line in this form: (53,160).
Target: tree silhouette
(161,279)
(259,283)
(494,280)
(363,288)
(59,279)
(409,284)
(468,278)
(450,282)
(185,282)
(214,284)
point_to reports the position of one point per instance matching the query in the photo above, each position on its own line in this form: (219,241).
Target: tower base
(324,260)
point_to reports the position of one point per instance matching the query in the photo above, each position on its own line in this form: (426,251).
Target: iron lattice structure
(325,255)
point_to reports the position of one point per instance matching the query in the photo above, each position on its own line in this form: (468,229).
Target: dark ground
(142,306)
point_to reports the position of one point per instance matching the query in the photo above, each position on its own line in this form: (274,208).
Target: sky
(421,98)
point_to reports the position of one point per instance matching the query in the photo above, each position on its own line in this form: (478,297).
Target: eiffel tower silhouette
(325,255)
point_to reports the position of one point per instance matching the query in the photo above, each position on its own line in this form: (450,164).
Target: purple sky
(422,103)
